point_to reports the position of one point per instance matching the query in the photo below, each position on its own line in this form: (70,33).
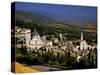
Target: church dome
(36,41)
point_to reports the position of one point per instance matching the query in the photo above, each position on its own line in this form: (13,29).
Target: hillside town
(34,42)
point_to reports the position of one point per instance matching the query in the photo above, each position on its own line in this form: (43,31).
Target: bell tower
(28,36)
(81,36)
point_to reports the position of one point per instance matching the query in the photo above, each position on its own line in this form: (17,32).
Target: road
(44,68)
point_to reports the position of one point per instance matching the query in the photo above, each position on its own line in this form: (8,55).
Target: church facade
(84,45)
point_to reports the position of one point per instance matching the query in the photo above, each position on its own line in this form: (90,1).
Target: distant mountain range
(49,17)
(68,19)
(46,18)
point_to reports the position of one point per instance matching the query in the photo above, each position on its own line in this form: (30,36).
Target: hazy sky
(60,11)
